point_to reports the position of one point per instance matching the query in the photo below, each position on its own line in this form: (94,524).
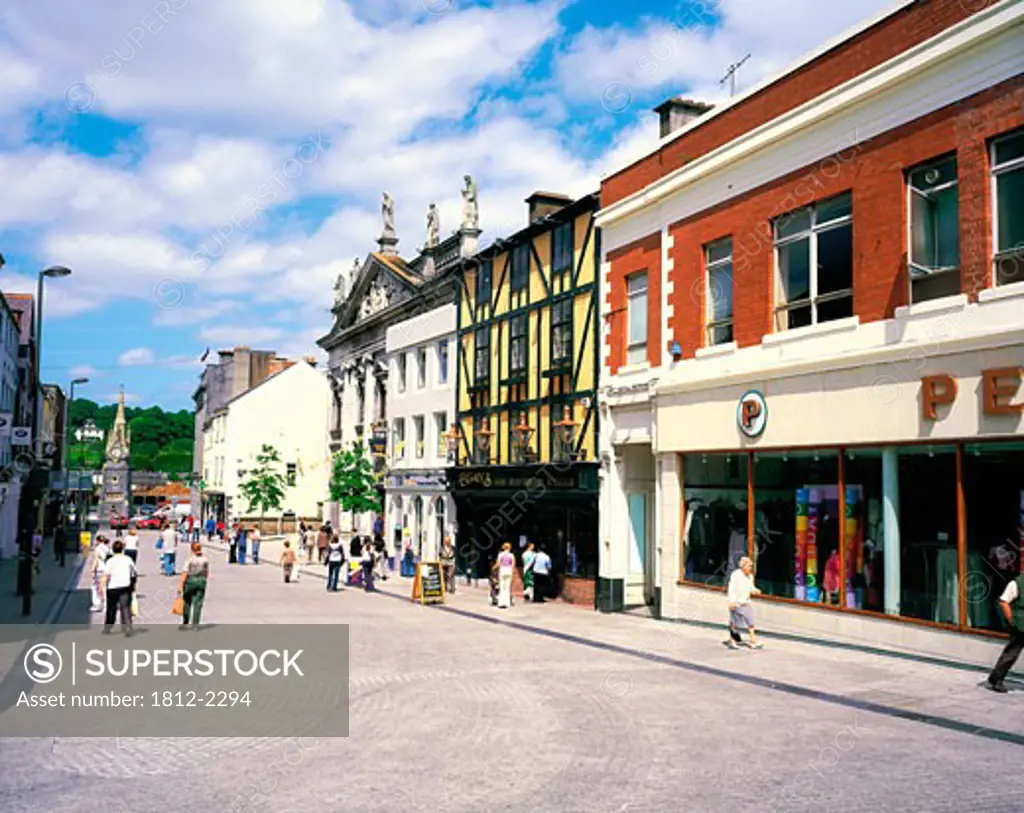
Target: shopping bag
(135,605)
(178,608)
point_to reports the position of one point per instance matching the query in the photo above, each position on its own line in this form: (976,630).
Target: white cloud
(82,371)
(136,357)
(240,335)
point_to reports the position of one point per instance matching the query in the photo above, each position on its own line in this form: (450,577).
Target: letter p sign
(752,414)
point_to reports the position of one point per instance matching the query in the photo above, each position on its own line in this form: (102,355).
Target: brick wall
(897,33)
(643,255)
(874,173)
(578,591)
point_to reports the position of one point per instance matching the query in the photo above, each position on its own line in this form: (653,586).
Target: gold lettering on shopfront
(936,390)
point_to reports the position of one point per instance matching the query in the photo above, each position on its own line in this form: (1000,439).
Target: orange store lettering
(998,389)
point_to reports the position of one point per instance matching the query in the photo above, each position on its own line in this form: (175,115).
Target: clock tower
(117,476)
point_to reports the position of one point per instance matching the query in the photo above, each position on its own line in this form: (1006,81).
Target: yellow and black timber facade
(526,465)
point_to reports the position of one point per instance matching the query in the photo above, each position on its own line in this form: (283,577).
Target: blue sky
(207,169)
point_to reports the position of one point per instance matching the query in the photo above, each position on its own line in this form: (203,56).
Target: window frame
(630,297)
(479,377)
(521,339)
(398,439)
(419,429)
(291,474)
(519,276)
(421,368)
(564,322)
(401,370)
(811,234)
(566,230)
(441,427)
(485,272)
(442,361)
(1015,253)
(917,272)
(710,267)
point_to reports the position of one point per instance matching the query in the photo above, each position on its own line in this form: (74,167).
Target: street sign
(6,422)
(21,436)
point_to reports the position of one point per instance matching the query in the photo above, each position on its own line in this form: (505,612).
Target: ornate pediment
(382,293)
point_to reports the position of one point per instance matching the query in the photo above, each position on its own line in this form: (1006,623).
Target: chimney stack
(544,203)
(676,112)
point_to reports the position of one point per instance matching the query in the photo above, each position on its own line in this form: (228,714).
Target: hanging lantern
(521,434)
(483,442)
(565,433)
(451,442)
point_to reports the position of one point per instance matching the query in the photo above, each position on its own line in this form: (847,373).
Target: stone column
(891,528)
(670,534)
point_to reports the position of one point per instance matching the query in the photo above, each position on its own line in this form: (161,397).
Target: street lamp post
(25,552)
(64,458)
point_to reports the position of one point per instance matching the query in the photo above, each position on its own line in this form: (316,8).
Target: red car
(148,522)
(118,521)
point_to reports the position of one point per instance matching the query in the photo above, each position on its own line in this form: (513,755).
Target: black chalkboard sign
(428,586)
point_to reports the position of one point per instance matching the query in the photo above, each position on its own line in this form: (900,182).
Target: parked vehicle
(118,521)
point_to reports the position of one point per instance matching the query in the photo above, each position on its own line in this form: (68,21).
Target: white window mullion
(813,274)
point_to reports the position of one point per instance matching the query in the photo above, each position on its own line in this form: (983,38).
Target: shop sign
(416,481)
(548,478)
(998,389)
(752,414)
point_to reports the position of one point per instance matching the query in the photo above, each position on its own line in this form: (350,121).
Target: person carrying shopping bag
(194,580)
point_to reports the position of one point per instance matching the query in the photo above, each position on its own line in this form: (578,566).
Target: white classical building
(288,411)
(421,398)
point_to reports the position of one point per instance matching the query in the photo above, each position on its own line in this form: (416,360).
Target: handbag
(178,607)
(135,605)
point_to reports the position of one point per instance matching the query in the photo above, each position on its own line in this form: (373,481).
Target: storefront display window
(929,587)
(994,497)
(797,524)
(864,531)
(715,528)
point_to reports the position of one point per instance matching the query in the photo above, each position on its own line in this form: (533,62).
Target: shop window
(561,248)
(797,524)
(484,281)
(715,528)
(419,428)
(1008,183)
(482,358)
(517,346)
(421,367)
(814,257)
(636,293)
(442,362)
(994,497)
(934,215)
(718,261)
(865,531)
(520,267)
(561,332)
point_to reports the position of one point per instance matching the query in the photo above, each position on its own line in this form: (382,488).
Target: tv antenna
(730,75)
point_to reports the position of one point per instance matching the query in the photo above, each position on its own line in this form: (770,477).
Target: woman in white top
(99,558)
(506,567)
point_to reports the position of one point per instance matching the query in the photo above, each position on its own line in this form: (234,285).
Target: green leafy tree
(264,486)
(353,483)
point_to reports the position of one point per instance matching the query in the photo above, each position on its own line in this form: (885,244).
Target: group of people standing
(536,574)
(244,540)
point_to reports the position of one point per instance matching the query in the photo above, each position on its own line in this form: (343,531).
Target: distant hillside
(161,441)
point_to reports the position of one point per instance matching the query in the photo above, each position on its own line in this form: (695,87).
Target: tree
(264,486)
(353,484)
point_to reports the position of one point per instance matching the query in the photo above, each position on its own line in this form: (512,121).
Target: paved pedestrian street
(549,707)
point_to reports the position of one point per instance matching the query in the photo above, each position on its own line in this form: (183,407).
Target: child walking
(287,561)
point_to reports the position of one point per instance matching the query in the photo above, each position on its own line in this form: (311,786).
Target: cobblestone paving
(553,708)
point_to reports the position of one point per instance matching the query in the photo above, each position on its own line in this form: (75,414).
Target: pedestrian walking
(379,558)
(254,544)
(448,564)
(100,553)
(408,560)
(119,575)
(131,545)
(529,558)
(232,544)
(1011,602)
(220,530)
(506,567)
(211,526)
(367,563)
(169,542)
(194,580)
(242,542)
(287,561)
(741,611)
(322,540)
(335,560)
(541,575)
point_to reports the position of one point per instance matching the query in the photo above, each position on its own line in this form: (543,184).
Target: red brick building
(814,338)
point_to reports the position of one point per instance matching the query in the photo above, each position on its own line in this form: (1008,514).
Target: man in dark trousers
(1012,605)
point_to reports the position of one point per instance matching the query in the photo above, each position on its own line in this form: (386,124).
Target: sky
(206,169)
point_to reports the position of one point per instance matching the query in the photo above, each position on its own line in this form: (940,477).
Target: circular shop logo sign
(43,663)
(752,414)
